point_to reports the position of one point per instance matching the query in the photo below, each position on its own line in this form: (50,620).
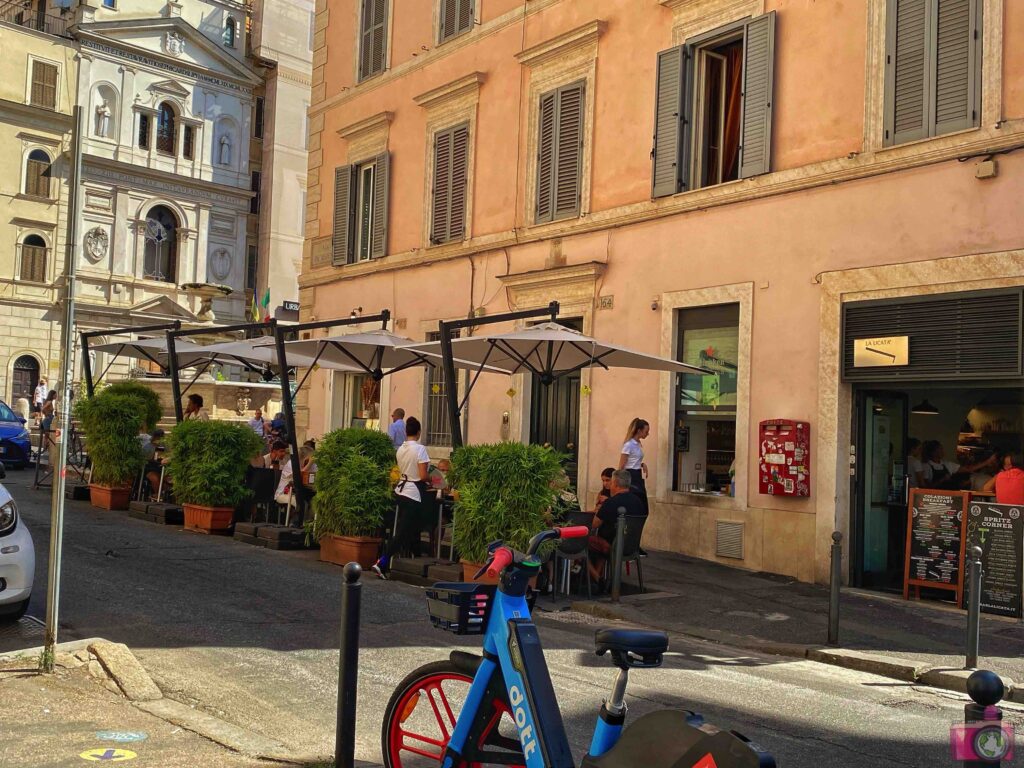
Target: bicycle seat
(632,647)
(674,738)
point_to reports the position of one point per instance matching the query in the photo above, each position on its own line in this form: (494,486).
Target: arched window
(33,259)
(37,174)
(161,254)
(230,32)
(166,129)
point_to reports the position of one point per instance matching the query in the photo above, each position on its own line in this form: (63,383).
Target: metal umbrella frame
(376,353)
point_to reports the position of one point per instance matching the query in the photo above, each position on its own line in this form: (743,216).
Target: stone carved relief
(96,244)
(220,264)
(174,44)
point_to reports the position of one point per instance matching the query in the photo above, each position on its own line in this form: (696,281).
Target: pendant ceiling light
(924,408)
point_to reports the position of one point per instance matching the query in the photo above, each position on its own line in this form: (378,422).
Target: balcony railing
(26,13)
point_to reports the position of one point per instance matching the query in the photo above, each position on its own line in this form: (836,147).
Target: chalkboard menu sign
(935,540)
(999,530)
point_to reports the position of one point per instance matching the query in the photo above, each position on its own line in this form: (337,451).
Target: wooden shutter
(381,187)
(546,157)
(442,191)
(758,82)
(907,70)
(373,37)
(667,175)
(451,163)
(456,18)
(33,263)
(466,16)
(341,241)
(44,85)
(957,67)
(37,177)
(569,151)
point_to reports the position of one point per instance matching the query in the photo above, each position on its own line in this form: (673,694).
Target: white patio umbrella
(377,353)
(257,352)
(154,350)
(551,351)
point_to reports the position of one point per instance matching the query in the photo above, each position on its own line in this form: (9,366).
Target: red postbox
(784,460)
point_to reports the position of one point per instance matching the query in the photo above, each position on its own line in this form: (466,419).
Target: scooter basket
(460,608)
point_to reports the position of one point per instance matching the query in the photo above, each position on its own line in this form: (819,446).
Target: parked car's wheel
(19,611)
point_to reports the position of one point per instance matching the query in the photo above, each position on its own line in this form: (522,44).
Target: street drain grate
(24,633)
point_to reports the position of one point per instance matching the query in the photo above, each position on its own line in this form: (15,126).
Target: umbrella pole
(87,365)
(172,367)
(289,420)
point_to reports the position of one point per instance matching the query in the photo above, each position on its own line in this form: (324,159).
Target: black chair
(263,483)
(631,552)
(572,551)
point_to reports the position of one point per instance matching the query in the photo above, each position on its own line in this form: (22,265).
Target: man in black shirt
(604,521)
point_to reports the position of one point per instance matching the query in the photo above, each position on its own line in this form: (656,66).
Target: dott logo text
(519,711)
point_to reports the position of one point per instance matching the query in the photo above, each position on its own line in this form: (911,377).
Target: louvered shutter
(442,192)
(758,82)
(381,187)
(373,37)
(907,72)
(449,17)
(956,69)
(569,151)
(466,15)
(341,245)
(44,85)
(546,157)
(667,175)
(459,183)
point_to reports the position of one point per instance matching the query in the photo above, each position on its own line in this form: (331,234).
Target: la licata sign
(882,352)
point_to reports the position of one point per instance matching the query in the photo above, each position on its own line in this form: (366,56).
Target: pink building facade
(757,186)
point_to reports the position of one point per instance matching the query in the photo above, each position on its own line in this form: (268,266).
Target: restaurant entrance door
(878,525)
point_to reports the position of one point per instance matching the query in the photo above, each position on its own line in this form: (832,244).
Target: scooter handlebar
(573,532)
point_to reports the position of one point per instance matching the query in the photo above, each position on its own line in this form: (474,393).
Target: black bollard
(834,584)
(348,669)
(986,690)
(620,532)
(974,609)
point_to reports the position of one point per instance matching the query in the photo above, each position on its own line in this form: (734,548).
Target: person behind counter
(939,473)
(1008,485)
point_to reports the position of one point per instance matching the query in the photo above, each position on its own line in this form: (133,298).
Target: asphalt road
(250,635)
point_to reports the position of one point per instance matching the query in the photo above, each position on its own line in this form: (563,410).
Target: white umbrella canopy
(154,350)
(255,352)
(377,353)
(550,350)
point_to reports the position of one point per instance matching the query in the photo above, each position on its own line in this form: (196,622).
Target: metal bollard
(348,670)
(834,584)
(974,609)
(986,690)
(620,532)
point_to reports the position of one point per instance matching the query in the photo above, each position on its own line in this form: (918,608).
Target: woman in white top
(413,464)
(632,457)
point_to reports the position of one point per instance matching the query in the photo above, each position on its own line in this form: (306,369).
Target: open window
(713,110)
(361,210)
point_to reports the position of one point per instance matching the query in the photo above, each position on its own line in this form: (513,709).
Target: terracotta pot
(208,519)
(106,497)
(342,550)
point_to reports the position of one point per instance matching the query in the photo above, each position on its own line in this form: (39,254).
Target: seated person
(276,459)
(151,446)
(603,537)
(606,488)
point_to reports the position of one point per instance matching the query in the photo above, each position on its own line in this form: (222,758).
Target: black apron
(639,486)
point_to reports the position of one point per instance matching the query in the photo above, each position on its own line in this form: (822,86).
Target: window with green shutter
(932,68)
(448,196)
(455,18)
(361,211)
(560,153)
(373,32)
(713,108)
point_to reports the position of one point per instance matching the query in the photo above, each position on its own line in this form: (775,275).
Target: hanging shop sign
(881,352)
(936,526)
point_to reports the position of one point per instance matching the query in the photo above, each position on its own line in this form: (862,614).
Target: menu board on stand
(999,530)
(936,537)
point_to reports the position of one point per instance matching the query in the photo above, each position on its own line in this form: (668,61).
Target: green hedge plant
(148,401)
(505,492)
(112,423)
(353,483)
(209,460)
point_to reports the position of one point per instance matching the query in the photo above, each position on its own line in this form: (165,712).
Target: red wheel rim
(428,740)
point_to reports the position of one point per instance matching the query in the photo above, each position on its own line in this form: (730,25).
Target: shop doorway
(555,413)
(942,435)
(24,379)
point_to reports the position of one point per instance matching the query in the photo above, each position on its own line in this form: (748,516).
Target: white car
(17,560)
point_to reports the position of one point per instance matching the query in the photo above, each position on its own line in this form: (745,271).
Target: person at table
(631,458)
(194,410)
(1008,485)
(397,430)
(256,423)
(606,488)
(283,493)
(411,490)
(276,459)
(603,528)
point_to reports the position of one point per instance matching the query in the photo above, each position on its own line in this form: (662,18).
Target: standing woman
(632,458)
(413,464)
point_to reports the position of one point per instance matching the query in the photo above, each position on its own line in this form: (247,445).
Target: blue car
(15,440)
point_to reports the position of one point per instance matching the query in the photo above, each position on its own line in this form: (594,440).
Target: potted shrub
(353,493)
(505,492)
(207,466)
(147,400)
(112,422)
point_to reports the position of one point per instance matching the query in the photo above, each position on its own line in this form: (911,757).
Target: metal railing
(26,13)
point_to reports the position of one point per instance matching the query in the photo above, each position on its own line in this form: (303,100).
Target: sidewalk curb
(885,666)
(69,647)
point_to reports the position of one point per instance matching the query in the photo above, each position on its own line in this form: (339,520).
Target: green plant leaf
(353,483)
(112,423)
(209,460)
